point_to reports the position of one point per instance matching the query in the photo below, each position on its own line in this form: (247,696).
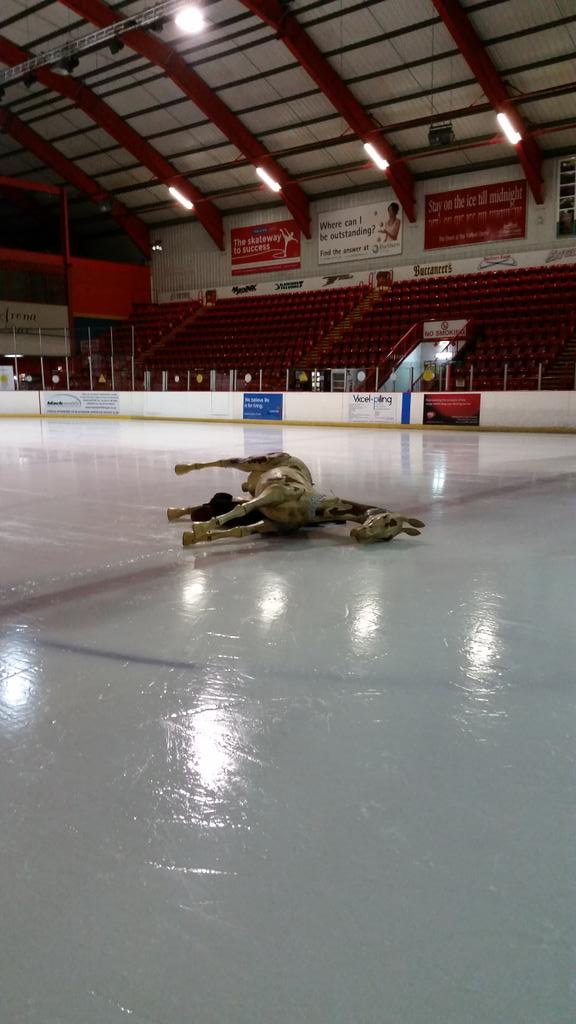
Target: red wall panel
(102,289)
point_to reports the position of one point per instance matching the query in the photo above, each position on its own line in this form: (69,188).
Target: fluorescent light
(268,180)
(13,355)
(180,198)
(190,19)
(375,156)
(509,131)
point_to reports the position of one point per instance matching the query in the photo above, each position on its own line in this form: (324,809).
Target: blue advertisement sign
(262,407)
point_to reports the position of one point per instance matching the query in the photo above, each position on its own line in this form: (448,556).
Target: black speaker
(441,134)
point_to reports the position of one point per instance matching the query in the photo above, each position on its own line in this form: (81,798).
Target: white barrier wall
(538,410)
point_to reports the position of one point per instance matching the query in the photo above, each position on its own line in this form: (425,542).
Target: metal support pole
(574,376)
(260,380)
(90,358)
(231,380)
(287,380)
(187,380)
(471,377)
(41,358)
(112,358)
(16,370)
(539,376)
(377,380)
(67,375)
(505,376)
(133,388)
(411,385)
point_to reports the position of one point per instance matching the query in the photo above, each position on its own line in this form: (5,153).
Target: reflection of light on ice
(194,589)
(273,601)
(16,691)
(482,649)
(18,670)
(211,748)
(366,620)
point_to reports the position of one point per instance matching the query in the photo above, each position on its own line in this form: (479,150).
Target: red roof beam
(472,49)
(104,116)
(190,83)
(304,49)
(49,155)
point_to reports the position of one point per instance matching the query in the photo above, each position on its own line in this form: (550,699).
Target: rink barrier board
(548,411)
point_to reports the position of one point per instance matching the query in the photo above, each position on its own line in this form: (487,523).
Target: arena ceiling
(293,86)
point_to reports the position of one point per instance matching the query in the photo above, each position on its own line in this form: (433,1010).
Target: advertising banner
(21,321)
(360,233)
(263,406)
(80,403)
(444,329)
(453,410)
(566,216)
(263,247)
(466,216)
(374,407)
(375,278)
(6,378)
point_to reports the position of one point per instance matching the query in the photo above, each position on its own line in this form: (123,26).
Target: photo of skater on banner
(263,247)
(360,233)
(465,216)
(453,410)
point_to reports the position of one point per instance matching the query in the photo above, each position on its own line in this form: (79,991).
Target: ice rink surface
(286,781)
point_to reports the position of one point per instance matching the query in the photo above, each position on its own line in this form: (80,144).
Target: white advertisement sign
(360,233)
(6,378)
(22,321)
(81,403)
(443,328)
(374,407)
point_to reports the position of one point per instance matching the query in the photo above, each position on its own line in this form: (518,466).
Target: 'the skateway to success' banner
(263,247)
(465,216)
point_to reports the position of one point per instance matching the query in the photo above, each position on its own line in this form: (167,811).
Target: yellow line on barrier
(291,423)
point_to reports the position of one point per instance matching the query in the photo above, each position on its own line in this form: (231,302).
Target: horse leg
(254,463)
(178,513)
(190,537)
(275,494)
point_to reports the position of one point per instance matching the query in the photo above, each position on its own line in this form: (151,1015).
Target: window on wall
(566,218)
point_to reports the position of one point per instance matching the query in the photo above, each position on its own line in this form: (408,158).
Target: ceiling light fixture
(375,156)
(180,198)
(507,127)
(190,19)
(268,180)
(115,45)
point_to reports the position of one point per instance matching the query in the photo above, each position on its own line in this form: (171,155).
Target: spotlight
(180,198)
(190,19)
(375,156)
(508,128)
(268,180)
(69,63)
(115,45)
(29,79)
(105,205)
(158,25)
(157,246)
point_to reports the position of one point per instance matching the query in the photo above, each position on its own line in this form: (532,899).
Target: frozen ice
(286,780)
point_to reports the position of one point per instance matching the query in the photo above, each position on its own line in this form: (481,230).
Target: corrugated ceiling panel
(508,17)
(544,45)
